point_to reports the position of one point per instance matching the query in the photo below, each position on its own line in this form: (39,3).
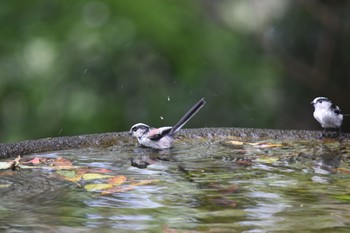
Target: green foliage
(76,67)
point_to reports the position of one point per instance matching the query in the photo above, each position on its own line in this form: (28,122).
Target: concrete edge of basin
(8,150)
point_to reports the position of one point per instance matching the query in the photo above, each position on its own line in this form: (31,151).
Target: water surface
(201,185)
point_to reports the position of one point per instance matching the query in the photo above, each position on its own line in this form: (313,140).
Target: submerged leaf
(267,159)
(4,185)
(117,180)
(34,161)
(144,182)
(66,173)
(235,143)
(97,187)
(5,165)
(343,170)
(69,175)
(12,164)
(99,170)
(73,179)
(265,144)
(59,162)
(94,176)
(224,202)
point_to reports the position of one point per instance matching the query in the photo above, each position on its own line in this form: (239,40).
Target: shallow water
(224,185)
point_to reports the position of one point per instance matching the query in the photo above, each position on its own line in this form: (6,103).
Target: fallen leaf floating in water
(267,159)
(236,143)
(342,170)
(144,182)
(34,161)
(97,187)
(94,176)
(74,179)
(255,144)
(117,180)
(224,202)
(265,144)
(97,170)
(125,188)
(12,164)
(59,162)
(67,173)
(244,162)
(65,169)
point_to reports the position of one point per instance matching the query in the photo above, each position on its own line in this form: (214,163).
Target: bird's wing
(155,134)
(336,109)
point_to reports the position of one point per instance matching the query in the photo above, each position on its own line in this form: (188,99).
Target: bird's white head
(321,102)
(139,129)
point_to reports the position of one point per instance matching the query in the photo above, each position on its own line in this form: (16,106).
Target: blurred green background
(79,67)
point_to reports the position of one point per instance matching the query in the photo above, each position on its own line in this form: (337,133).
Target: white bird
(163,137)
(327,113)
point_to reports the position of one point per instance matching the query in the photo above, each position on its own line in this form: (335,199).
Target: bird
(327,114)
(163,137)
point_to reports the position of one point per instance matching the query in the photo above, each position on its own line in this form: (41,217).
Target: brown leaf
(60,162)
(224,202)
(244,162)
(8,173)
(99,170)
(342,170)
(228,190)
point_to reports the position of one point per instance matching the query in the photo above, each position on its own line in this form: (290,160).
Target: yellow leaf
(117,180)
(267,159)
(73,179)
(236,143)
(4,185)
(61,167)
(97,187)
(144,182)
(265,144)
(94,176)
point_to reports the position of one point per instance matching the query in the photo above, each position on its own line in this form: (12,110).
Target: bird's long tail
(187,116)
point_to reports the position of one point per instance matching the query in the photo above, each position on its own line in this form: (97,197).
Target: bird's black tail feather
(187,116)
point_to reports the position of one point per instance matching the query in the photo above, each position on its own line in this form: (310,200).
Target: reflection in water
(243,187)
